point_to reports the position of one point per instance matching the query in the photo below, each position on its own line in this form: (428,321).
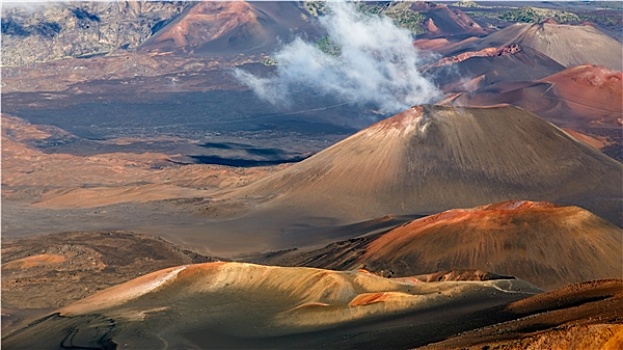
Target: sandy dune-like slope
(569,45)
(214,28)
(220,305)
(433,158)
(539,242)
(583,97)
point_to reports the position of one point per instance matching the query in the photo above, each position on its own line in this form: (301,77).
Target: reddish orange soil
(35,260)
(190,31)
(594,92)
(597,142)
(544,244)
(486,52)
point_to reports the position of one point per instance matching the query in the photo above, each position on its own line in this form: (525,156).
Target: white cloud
(378,64)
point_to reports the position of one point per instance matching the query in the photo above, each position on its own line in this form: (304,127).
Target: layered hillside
(50,31)
(233,305)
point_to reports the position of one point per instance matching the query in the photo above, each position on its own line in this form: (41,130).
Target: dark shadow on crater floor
(238,162)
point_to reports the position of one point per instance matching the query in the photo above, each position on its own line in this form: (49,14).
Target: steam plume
(377,64)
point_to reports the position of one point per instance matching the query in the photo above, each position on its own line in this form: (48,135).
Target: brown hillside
(433,158)
(214,27)
(593,92)
(445,21)
(546,245)
(582,97)
(569,45)
(584,316)
(471,70)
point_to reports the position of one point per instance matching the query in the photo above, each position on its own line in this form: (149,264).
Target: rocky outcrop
(80,29)
(488,52)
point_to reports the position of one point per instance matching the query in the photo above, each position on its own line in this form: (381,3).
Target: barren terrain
(480,238)
(70,266)
(155,197)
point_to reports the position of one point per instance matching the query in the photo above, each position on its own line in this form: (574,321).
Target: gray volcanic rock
(82,29)
(43,32)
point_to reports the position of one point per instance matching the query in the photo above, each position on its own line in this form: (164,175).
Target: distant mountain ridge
(51,31)
(44,32)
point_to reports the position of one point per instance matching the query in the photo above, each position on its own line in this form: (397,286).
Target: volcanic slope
(592,92)
(584,97)
(446,22)
(569,45)
(471,70)
(431,158)
(214,28)
(234,305)
(546,245)
(583,316)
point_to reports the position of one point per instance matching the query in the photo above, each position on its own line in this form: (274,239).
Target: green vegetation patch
(400,13)
(410,20)
(466,3)
(315,8)
(269,62)
(326,45)
(536,15)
